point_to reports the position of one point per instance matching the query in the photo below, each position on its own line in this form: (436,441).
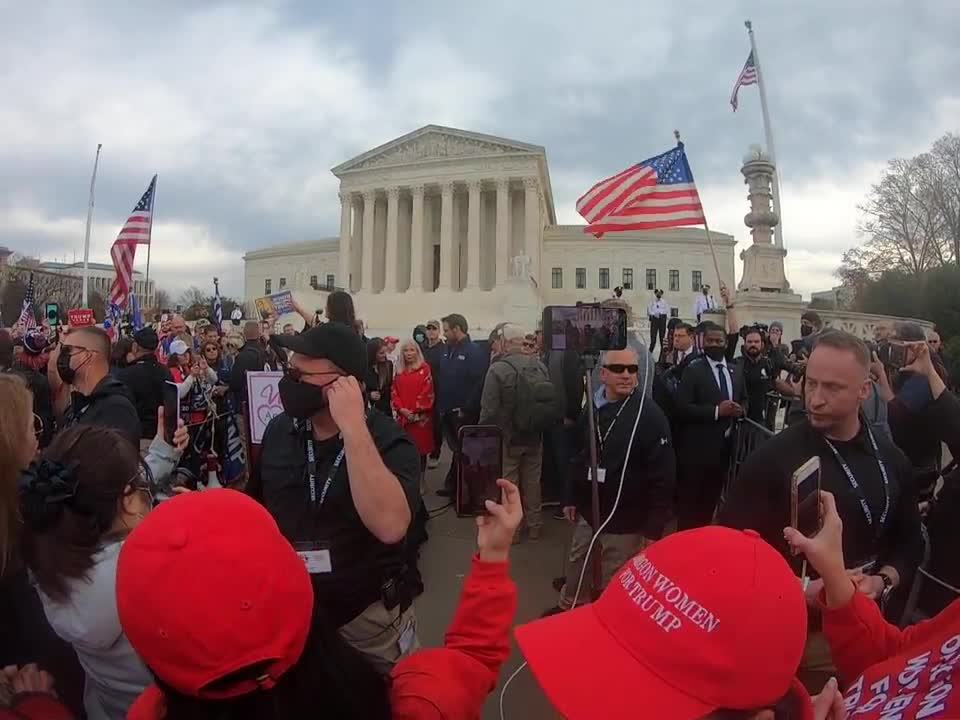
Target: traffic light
(53,314)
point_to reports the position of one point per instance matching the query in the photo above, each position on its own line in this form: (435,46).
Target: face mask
(301,400)
(805,330)
(714,353)
(66,373)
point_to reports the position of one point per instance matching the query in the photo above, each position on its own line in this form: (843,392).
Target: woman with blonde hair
(413,397)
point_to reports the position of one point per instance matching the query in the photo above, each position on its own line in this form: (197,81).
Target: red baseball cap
(702,620)
(207,586)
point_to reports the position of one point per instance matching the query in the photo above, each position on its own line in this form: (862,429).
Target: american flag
(217,306)
(27,319)
(136,231)
(748,76)
(656,193)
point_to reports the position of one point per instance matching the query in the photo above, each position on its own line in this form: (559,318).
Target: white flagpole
(778,229)
(86,238)
(153,209)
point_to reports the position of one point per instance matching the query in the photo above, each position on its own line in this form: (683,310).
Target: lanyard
(856,486)
(312,470)
(616,417)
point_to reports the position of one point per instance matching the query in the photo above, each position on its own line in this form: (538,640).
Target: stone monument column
(764,295)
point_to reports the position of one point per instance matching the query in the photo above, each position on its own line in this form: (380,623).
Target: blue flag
(136,313)
(217,306)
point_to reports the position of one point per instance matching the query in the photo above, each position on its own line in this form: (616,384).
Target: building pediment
(435,143)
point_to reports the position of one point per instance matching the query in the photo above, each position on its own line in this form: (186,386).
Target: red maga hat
(702,620)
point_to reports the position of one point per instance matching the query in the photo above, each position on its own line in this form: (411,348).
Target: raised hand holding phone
(495,530)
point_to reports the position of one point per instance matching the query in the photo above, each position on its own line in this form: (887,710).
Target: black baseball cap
(334,341)
(146,338)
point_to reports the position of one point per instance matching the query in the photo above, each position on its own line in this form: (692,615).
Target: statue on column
(521,266)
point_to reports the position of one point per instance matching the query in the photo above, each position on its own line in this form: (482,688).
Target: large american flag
(136,231)
(656,193)
(748,76)
(27,318)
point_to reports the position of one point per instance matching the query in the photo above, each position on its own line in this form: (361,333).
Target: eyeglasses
(618,368)
(297,375)
(73,349)
(143,482)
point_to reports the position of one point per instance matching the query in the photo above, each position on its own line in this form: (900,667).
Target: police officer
(658,311)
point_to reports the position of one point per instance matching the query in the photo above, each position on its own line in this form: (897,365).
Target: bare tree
(944,179)
(193,296)
(161,299)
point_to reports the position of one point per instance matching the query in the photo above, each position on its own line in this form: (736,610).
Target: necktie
(722,377)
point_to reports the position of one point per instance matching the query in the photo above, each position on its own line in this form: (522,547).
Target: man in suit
(707,401)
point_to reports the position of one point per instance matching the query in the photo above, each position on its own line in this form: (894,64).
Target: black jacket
(759,497)
(646,502)
(252,356)
(703,436)
(145,380)
(42,401)
(109,406)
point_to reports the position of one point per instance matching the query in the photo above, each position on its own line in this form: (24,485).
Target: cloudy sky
(242,109)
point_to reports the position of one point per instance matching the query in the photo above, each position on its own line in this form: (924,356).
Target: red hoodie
(891,673)
(448,683)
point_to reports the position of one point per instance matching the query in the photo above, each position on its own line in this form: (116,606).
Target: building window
(628,278)
(674,280)
(283,283)
(674,312)
(556,276)
(697,281)
(651,279)
(267,286)
(604,278)
(330,282)
(313,281)
(581,278)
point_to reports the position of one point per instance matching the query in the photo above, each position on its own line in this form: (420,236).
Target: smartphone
(171,410)
(805,498)
(479,466)
(898,355)
(584,328)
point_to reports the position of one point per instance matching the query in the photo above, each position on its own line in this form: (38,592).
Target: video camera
(586,328)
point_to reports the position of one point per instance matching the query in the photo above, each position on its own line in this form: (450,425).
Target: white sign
(264,393)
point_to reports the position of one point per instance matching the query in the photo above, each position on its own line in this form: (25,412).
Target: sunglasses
(618,368)
(297,375)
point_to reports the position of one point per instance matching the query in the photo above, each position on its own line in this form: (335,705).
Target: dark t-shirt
(361,563)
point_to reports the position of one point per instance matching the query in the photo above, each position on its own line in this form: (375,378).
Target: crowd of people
(143,576)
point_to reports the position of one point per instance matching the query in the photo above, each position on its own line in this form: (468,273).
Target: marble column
(390,266)
(532,225)
(502,270)
(473,235)
(356,245)
(446,237)
(366,269)
(416,239)
(343,264)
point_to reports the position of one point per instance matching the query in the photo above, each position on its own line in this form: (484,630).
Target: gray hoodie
(89,621)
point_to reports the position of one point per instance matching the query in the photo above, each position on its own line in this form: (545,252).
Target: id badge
(601,475)
(315,556)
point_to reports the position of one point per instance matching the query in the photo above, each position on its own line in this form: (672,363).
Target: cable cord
(603,525)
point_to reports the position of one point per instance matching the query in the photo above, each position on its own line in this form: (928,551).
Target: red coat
(893,673)
(413,391)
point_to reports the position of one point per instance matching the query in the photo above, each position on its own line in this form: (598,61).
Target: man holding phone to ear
(869,476)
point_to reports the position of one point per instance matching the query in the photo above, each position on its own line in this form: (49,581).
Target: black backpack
(537,407)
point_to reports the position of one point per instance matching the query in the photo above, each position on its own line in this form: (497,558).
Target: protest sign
(276,305)
(264,393)
(81,317)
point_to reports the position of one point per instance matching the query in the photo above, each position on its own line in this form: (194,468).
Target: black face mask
(66,373)
(805,330)
(301,400)
(714,353)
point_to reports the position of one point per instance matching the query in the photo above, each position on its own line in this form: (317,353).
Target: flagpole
(778,229)
(86,237)
(153,210)
(706,227)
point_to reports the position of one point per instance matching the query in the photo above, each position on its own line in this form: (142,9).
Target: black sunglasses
(617,368)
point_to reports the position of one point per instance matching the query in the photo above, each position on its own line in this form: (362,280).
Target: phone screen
(479,467)
(898,355)
(584,328)
(171,410)
(808,501)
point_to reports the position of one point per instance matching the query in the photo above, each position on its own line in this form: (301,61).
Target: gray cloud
(242,109)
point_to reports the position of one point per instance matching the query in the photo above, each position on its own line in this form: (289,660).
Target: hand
(922,363)
(876,367)
(828,705)
(405,413)
(181,438)
(870,585)
(203,364)
(345,400)
(724,293)
(53,377)
(824,551)
(567,422)
(570,513)
(30,678)
(196,371)
(495,531)
(728,408)
(220,390)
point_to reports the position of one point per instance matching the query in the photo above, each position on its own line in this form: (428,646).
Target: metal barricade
(747,436)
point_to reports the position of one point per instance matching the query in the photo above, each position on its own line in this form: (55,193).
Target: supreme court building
(444,220)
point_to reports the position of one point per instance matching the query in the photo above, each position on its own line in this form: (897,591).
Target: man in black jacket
(645,505)
(252,356)
(145,378)
(707,401)
(868,475)
(82,362)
